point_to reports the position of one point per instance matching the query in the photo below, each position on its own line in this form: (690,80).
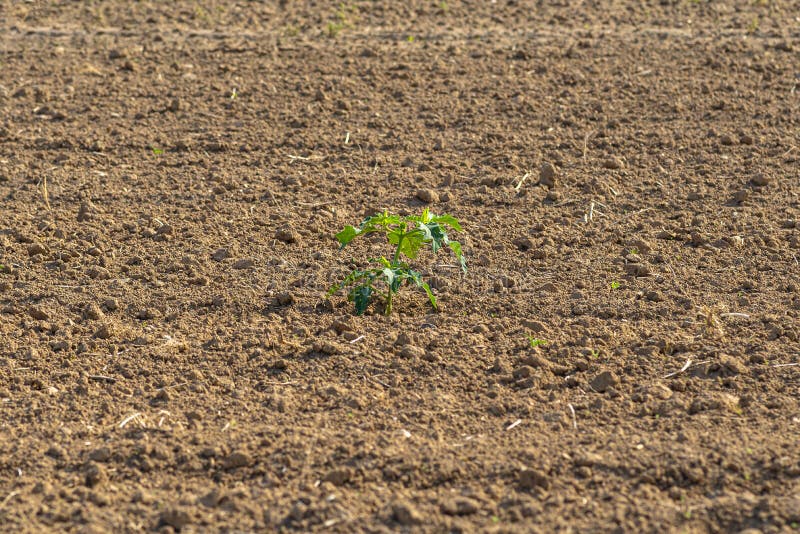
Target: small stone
(637,269)
(726,140)
(237,459)
(95,475)
(220,254)
(530,479)
(760,179)
(523,243)
(35,249)
(410,351)
(245,263)
(55,452)
(38,313)
(338,477)
(654,296)
(604,381)
(741,196)
(534,326)
(165,229)
(405,514)
(104,332)
(285,298)
(92,312)
(174,518)
(612,164)
(84,212)
(287,234)
(102,454)
(174,105)
(145,314)
(523,371)
(460,506)
(547,175)
(427,195)
(747,139)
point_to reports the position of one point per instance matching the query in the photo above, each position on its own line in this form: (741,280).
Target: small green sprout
(615,285)
(408,235)
(536,342)
(156,151)
(410,38)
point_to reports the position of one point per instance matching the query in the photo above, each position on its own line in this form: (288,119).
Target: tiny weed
(234,94)
(410,39)
(443,6)
(615,285)
(156,151)
(536,342)
(595,354)
(633,251)
(343,19)
(687,514)
(408,235)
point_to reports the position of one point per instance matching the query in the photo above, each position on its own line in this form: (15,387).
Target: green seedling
(615,285)
(156,151)
(536,342)
(408,235)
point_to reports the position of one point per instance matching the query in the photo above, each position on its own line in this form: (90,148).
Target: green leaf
(360,295)
(345,236)
(417,279)
(449,220)
(411,244)
(389,275)
(455,246)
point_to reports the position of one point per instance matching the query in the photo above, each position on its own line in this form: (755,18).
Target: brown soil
(171,180)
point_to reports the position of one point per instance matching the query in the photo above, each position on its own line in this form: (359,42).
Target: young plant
(536,342)
(407,235)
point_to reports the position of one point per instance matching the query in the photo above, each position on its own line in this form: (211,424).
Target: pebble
(405,514)
(338,477)
(410,351)
(84,212)
(612,164)
(287,234)
(102,454)
(36,248)
(760,179)
(460,506)
(95,475)
(104,332)
(237,459)
(427,195)
(245,263)
(285,298)
(530,479)
(637,269)
(38,313)
(92,311)
(174,518)
(523,243)
(726,140)
(220,254)
(604,381)
(547,175)
(741,196)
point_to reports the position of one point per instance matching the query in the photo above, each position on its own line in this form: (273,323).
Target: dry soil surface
(622,354)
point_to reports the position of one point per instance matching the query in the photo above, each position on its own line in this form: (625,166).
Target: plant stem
(396,257)
(388,309)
